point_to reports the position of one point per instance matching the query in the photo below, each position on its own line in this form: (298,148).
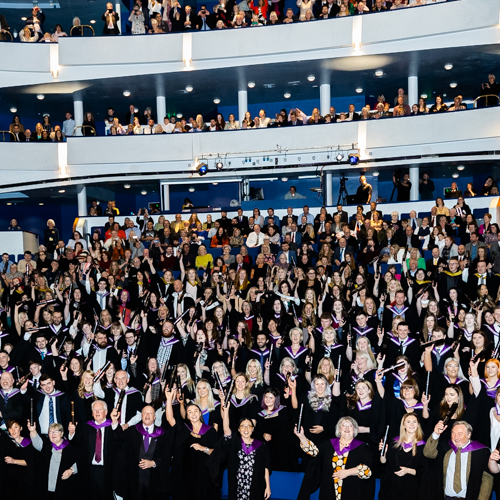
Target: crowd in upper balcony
(166,16)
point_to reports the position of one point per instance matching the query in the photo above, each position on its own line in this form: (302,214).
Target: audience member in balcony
(441,209)
(398,4)
(491,88)
(488,184)
(352,115)
(361,8)
(457,105)
(16,134)
(58,32)
(89,125)
(68,125)
(379,6)
(16,121)
(149,129)
(470,192)
(454,192)
(205,21)
(379,111)
(136,18)
(422,107)
(426,187)
(364,191)
(47,38)
(25,35)
(304,6)
(119,129)
(289,17)
(401,93)
(36,20)
(57,136)
(46,124)
(110,18)
(365,113)
(439,106)
(4,26)
(401,106)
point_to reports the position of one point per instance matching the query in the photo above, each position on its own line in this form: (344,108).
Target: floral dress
(245,474)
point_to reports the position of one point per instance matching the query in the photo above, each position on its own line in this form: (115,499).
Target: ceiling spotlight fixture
(40,97)
(359,90)
(189,88)
(376,174)
(453,85)
(284,179)
(353,158)
(214,183)
(448,66)
(423,96)
(126,93)
(92,21)
(191,189)
(62,190)
(455,175)
(24,18)
(179,115)
(126,186)
(9,203)
(216,100)
(287,95)
(13,109)
(41,203)
(311,78)
(340,156)
(251,85)
(379,73)
(202,169)
(460,167)
(218,164)
(144,192)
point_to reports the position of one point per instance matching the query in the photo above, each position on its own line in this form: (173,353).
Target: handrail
(82,30)
(3,132)
(486,96)
(84,126)
(10,34)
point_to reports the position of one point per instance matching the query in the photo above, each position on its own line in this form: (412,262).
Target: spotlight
(189,88)
(284,179)
(311,78)
(126,186)
(287,95)
(62,190)
(340,156)
(216,100)
(218,164)
(144,192)
(126,93)
(448,66)
(40,97)
(379,73)
(359,90)
(191,189)
(455,175)
(376,174)
(202,169)
(460,167)
(251,85)
(92,21)
(453,85)
(13,110)
(353,158)
(423,96)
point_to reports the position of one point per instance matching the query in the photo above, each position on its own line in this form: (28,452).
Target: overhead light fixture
(214,183)
(359,90)
(311,78)
(41,203)
(455,175)
(379,73)
(202,169)
(218,164)
(448,66)
(126,186)
(191,189)
(179,115)
(40,97)
(13,109)
(339,157)
(92,21)
(144,192)
(216,100)
(126,93)
(189,88)
(24,18)
(287,95)
(460,167)
(376,174)
(423,96)
(353,158)
(453,85)
(251,85)
(62,190)
(9,203)
(284,179)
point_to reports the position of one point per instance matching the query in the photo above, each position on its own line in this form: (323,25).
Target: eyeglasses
(54,432)
(346,425)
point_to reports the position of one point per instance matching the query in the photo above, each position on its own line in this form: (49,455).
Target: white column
(328,187)
(161,107)
(242,105)
(325,99)
(118,10)
(82,201)
(78,111)
(166,197)
(413,90)
(415,182)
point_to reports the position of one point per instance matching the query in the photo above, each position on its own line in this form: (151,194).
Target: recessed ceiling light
(41,203)
(423,96)
(448,66)
(191,189)
(445,95)
(216,100)
(287,95)
(189,88)
(24,18)
(379,72)
(126,186)
(62,190)
(13,109)
(179,115)
(453,85)
(251,85)
(359,90)
(284,179)
(214,183)
(92,21)
(126,93)
(376,174)
(460,167)
(455,175)
(311,78)
(144,192)
(9,203)
(40,97)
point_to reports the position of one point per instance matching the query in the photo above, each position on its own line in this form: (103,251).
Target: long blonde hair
(403,435)
(210,397)
(81,385)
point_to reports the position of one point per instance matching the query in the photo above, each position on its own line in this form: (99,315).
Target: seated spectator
(58,32)
(439,106)
(457,105)
(26,36)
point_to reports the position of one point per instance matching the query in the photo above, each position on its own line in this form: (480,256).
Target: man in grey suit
(474,245)
(414,222)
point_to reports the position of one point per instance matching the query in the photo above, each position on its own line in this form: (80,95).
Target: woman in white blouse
(304,6)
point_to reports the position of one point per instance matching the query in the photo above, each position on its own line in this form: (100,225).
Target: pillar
(166,197)
(413,90)
(325,99)
(161,107)
(242,105)
(82,201)
(415,181)
(78,112)
(118,10)
(328,187)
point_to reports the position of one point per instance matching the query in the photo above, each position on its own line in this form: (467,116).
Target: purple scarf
(95,425)
(352,445)
(204,428)
(61,446)
(472,446)
(256,444)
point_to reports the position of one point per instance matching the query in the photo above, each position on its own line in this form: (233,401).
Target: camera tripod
(343,194)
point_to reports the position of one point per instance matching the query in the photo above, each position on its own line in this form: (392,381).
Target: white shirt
(169,128)
(255,240)
(494,429)
(44,415)
(450,473)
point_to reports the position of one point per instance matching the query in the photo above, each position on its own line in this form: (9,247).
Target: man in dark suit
(463,466)
(454,192)
(289,254)
(333,8)
(373,209)
(205,21)
(129,117)
(340,251)
(18,135)
(352,114)
(239,264)
(4,26)
(433,264)
(289,213)
(343,214)
(242,221)
(483,276)
(294,120)
(408,239)
(110,18)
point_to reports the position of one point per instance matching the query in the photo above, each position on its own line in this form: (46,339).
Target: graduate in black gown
(349,458)
(403,462)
